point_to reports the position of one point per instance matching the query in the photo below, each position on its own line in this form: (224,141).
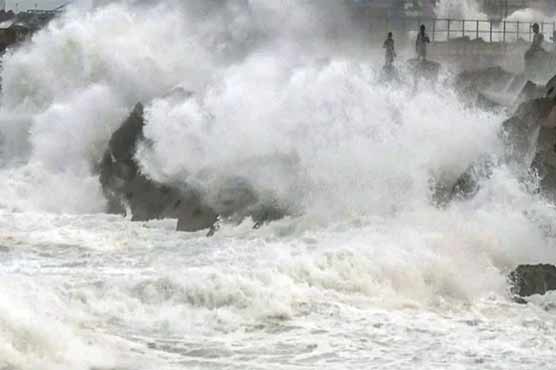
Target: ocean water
(367,272)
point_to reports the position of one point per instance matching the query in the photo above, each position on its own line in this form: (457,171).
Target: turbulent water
(367,272)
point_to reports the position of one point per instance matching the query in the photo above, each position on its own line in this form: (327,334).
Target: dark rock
(465,186)
(530,91)
(544,162)
(539,65)
(551,88)
(22,26)
(472,83)
(531,141)
(123,143)
(519,300)
(127,189)
(530,145)
(484,79)
(527,280)
(521,131)
(485,102)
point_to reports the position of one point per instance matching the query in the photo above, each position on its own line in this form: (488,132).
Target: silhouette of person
(421,43)
(390,50)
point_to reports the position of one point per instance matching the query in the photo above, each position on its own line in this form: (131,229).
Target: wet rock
(477,83)
(531,140)
(465,186)
(528,280)
(530,91)
(551,88)
(19,27)
(484,79)
(488,103)
(530,147)
(521,131)
(539,65)
(127,189)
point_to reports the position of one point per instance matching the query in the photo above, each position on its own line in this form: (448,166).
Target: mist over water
(459,9)
(286,96)
(268,83)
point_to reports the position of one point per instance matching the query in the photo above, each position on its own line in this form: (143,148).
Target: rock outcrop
(530,143)
(127,189)
(19,27)
(531,137)
(530,91)
(492,78)
(528,280)
(539,65)
(491,88)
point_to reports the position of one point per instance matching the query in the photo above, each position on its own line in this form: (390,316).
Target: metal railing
(43,11)
(444,29)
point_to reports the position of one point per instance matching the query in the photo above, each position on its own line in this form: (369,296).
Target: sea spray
(367,273)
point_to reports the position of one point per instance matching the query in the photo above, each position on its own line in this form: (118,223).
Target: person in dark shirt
(390,50)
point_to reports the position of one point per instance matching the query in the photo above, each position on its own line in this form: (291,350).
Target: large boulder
(530,140)
(522,132)
(127,189)
(488,88)
(492,78)
(530,91)
(539,65)
(531,137)
(528,280)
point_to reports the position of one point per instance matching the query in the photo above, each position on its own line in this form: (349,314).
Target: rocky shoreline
(529,136)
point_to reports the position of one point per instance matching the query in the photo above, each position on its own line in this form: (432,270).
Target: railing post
(448,29)
(504,33)
(517,34)
(477,30)
(463,28)
(419,23)
(433,30)
(490,30)
(529,32)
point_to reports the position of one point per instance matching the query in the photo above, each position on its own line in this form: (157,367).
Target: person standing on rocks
(390,50)
(421,43)
(536,46)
